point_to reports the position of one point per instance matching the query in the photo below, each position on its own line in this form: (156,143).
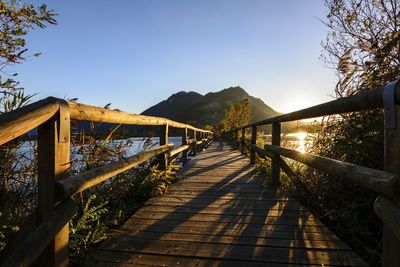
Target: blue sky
(136,53)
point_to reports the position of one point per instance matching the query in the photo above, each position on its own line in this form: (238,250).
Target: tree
(16,19)
(16,183)
(363,48)
(363,43)
(236,114)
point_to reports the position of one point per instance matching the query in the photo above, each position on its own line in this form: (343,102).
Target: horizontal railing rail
(386,183)
(47,243)
(362,101)
(91,113)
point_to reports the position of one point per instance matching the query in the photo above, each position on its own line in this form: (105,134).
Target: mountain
(200,110)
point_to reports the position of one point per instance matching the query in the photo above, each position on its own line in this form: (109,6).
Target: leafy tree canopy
(16,19)
(363,43)
(236,114)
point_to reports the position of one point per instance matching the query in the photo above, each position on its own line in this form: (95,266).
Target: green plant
(236,114)
(156,181)
(17,166)
(87,227)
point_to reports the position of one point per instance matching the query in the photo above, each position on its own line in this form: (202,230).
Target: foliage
(263,166)
(17,162)
(16,19)
(236,114)
(209,128)
(363,43)
(87,227)
(110,203)
(363,47)
(17,174)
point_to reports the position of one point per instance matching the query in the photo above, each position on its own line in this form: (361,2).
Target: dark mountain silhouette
(191,108)
(200,110)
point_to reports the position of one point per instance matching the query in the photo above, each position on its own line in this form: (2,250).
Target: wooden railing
(47,242)
(386,183)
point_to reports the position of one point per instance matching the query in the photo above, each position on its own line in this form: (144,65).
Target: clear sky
(136,53)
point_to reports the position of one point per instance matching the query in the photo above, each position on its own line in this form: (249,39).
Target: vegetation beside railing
(348,197)
(106,183)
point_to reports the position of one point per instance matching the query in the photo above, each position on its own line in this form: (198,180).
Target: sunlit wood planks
(218,215)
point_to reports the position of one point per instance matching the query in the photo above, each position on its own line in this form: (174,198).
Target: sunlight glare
(301,137)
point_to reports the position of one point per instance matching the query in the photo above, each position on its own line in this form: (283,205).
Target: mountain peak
(235,90)
(183,94)
(200,110)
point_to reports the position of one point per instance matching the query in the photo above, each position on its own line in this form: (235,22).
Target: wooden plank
(231,197)
(258,204)
(223,215)
(239,252)
(268,225)
(239,231)
(264,211)
(279,240)
(108,257)
(181,216)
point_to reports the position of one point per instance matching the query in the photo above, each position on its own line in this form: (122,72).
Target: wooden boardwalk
(220,214)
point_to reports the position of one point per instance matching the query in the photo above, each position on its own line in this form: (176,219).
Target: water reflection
(300,141)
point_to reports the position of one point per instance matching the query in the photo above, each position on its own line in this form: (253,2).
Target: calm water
(300,141)
(137,145)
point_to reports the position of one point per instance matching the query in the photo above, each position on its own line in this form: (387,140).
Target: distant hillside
(200,110)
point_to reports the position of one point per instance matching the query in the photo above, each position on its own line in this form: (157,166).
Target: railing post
(242,143)
(253,142)
(391,244)
(195,143)
(202,141)
(235,138)
(276,141)
(163,141)
(53,164)
(184,142)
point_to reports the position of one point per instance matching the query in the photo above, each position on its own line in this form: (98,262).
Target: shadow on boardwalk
(221,215)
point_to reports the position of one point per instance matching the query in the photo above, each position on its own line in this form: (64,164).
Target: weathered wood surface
(90,113)
(221,215)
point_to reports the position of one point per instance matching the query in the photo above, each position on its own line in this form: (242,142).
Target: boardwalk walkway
(221,215)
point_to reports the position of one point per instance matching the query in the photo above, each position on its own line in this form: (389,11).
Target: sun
(301,137)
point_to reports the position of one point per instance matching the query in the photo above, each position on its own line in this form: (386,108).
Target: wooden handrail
(52,117)
(78,183)
(361,101)
(386,183)
(91,113)
(178,150)
(18,122)
(378,181)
